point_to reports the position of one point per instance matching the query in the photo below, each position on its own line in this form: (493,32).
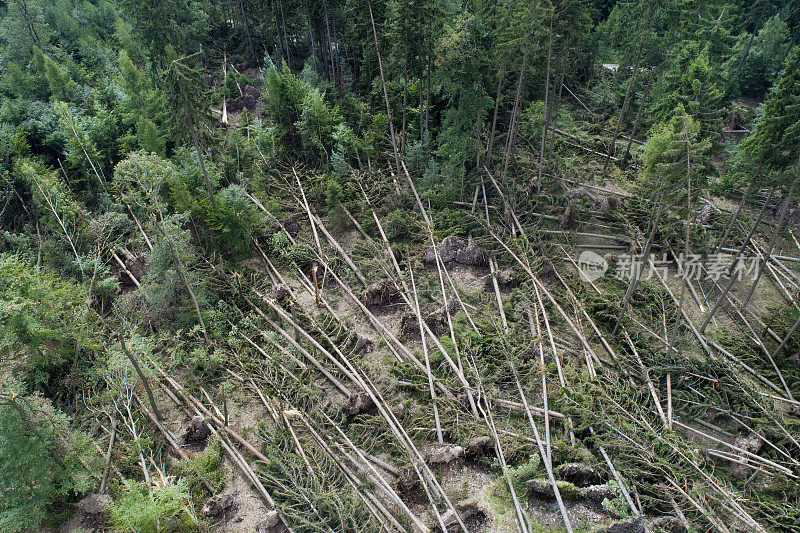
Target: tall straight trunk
(546,114)
(557,102)
(638,117)
(641,108)
(773,241)
(736,259)
(385,91)
(330,43)
(622,111)
(490,145)
(142,377)
(744,55)
(637,273)
(427,91)
(285,36)
(512,125)
(278,29)
(735,215)
(182,274)
(202,164)
(28,22)
(685,281)
(314,52)
(336,60)
(247,30)
(478,121)
(405,107)
(421,107)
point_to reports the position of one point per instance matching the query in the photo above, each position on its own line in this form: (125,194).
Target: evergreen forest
(399,265)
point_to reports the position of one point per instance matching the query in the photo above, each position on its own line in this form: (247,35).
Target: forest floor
(473,482)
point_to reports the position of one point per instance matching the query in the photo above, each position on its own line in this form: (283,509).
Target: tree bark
(405,108)
(330,44)
(685,280)
(773,241)
(742,248)
(512,125)
(196,142)
(142,377)
(182,274)
(638,273)
(546,115)
(490,145)
(285,37)
(638,117)
(385,91)
(314,51)
(622,111)
(735,215)
(744,55)
(557,103)
(247,30)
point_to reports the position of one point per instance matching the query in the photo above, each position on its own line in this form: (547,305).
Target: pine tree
(23,29)
(43,459)
(185,90)
(775,141)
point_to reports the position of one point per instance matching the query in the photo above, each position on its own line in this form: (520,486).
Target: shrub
(233,219)
(163,510)
(41,460)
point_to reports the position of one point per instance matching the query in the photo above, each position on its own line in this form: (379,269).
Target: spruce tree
(185,91)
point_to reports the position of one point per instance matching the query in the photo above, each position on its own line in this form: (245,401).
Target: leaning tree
(774,148)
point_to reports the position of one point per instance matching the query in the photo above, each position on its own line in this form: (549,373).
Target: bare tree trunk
(182,274)
(202,164)
(247,30)
(108,454)
(490,145)
(427,92)
(512,125)
(314,51)
(421,123)
(385,91)
(278,30)
(742,248)
(637,273)
(638,117)
(405,108)
(773,241)
(546,114)
(685,280)
(735,215)
(336,60)
(557,102)
(744,55)
(142,377)
(624,108)
(285,37)
(330,43)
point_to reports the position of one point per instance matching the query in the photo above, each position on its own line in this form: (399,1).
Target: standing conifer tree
(776,140)
(186,93)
